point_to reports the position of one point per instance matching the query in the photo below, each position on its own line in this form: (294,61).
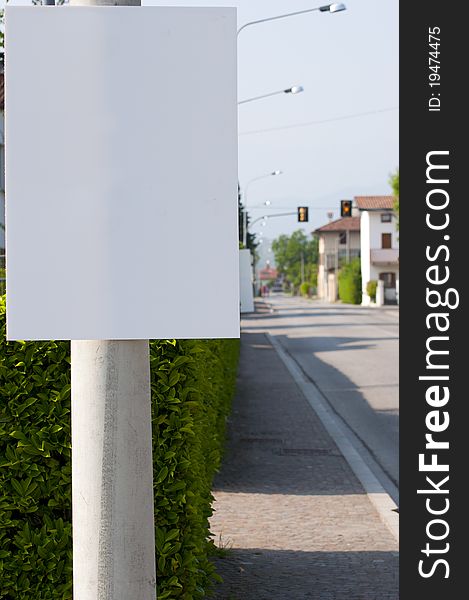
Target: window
(343,237)
(386,217)
(386,240)
(389,279)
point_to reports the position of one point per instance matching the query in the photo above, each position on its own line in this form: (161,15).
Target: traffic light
(302,214)
(345,208)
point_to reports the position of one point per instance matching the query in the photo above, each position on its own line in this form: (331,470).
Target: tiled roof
(374,202)
(267,273)
(345,224)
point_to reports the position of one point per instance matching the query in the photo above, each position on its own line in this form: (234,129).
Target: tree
(296,257)
(394,183)
(251,238)
(350,282)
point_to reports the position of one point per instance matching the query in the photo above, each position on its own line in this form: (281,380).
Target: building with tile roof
(379,246)
(374,202)
(339,242)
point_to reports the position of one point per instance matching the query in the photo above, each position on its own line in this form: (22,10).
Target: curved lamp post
(274,173)
(331,8)
(295,89)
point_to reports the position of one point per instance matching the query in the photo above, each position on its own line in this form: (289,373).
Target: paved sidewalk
(294,519)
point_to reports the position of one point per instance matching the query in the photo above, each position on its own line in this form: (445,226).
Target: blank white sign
(121,173)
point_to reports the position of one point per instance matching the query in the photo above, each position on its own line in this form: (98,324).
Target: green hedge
(350,282)
(192,385)
(371,287)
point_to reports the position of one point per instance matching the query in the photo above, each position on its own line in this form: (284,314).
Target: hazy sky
(348,64)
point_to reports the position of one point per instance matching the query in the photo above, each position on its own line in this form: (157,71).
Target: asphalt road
(351,354)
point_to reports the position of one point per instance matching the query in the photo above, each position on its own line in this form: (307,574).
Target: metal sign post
(112,206)
(112,466)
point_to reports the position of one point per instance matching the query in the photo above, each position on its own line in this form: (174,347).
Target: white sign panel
(121,173)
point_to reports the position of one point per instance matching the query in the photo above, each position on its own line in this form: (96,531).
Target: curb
(377,495)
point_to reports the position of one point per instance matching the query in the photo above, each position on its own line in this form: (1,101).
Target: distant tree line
(296,257)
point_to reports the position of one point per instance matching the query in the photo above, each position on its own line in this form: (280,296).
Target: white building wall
(354,241)
(321,245)
(329,245)
(365,254)
(371,230)
(375,270)
(320,290)
(377,228)
(321,272)
(331,242)
(246,295)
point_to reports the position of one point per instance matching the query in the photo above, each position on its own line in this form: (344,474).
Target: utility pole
(112,466)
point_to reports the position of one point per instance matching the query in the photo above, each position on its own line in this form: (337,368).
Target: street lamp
(264,217)
(274,173)
(331,8)
(295,89)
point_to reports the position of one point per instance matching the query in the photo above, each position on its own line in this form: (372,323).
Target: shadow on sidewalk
(255,328)
(298,520)
(258,574)
(276,443)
